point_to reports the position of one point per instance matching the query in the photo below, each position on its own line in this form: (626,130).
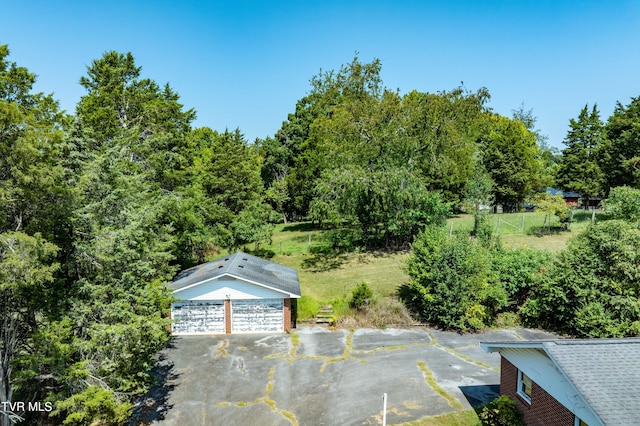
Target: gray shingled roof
(243,266)
(606,372)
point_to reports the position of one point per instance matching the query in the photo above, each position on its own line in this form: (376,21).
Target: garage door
(254,316)
(198,317)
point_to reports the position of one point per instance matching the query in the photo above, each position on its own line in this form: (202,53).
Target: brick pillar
(287,315)
(227,316)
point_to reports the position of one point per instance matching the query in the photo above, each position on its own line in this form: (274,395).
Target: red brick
(287,315)
(227,316)
(544,409)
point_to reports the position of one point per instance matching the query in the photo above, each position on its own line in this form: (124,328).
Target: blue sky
(245,64)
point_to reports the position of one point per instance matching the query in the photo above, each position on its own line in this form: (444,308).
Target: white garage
(238,293)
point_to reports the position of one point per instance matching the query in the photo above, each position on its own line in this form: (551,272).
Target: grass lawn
(519,229)
(462,418)
(330,277)
(326,276)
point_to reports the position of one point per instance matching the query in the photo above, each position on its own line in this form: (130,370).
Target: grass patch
(462,418)
(520,229)
(431,381)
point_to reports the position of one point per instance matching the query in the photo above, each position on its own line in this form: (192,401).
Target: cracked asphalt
(317,376)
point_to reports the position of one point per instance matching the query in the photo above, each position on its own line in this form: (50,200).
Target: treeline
(100,208)
(378,166)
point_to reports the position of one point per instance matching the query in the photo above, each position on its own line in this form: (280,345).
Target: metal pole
(384,409)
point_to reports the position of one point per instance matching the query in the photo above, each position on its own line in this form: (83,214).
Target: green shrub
(452,285)
(502,411)
(307,307)
(518,271)
(362,296)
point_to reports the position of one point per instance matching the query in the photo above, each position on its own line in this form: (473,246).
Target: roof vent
(240,266)
(244,258)
(221,266)
(226,258)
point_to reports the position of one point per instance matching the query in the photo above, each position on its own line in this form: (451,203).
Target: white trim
(521,385)
(226,274)
(577,421)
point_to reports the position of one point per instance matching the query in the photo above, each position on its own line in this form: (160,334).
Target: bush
(362,296)
(502,411)
(307,307)
(591,290)
(518,271)
(452,285)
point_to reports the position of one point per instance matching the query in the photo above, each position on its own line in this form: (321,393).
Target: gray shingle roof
(243,266)
(606,372)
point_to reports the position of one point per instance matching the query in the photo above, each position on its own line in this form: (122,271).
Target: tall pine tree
(579,170)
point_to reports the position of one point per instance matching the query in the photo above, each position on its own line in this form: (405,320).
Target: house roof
(564,194)
(604,372)
(242,266)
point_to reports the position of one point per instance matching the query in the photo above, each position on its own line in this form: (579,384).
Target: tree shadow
(323,261)
(301,227)
(154,405)
(480,395)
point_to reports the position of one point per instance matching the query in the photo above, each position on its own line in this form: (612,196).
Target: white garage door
(198,317)
(253,316)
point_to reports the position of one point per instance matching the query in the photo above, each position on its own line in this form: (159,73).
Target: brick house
(238,293)
(572,382)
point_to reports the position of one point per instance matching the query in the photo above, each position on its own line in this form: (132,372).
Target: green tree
(127,152)
(26,267)
(478,196)
(551,205)
(620,155)
(549,155)
(33,192)
(579,170)
(511,156)
(438,134)
(35,205)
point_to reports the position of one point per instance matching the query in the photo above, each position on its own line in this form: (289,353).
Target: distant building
(574,199)
(572,382)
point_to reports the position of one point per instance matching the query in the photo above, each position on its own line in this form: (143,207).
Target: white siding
(228,288)
(252,316)
(198,317)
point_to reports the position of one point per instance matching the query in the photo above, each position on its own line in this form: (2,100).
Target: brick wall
(287,315)
(227,316)
(544,410)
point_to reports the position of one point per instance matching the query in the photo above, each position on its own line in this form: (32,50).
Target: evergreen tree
(620,155)
(35,203)
(579,170)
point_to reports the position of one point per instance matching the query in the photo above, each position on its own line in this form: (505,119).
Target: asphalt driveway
(317,376)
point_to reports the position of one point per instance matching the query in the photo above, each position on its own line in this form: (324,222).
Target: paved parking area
(317,376)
